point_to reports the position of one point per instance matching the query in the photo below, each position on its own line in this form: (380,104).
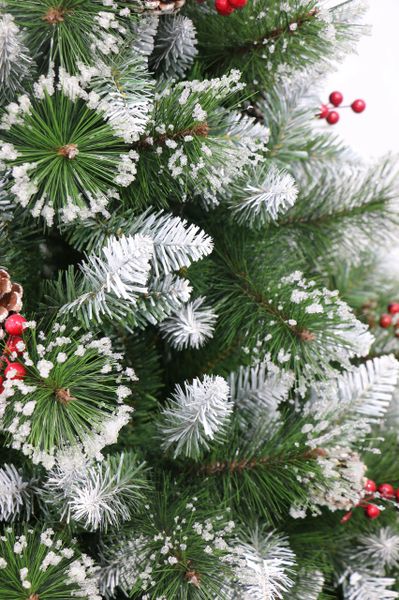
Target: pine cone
(158,7)
(10,296)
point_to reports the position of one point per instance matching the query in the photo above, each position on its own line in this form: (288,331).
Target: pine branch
(288,111)
(356,205)
(165,295)
(167,139)
(265,565)
(71,33)
(379,550)
(176,242)
(98,495)
(191,327)
(258,391)
(175,47)
(298,318)
(65,160)
(16,494)
(273,40)
(288,29)
(354,402)
(264,193)
(70,403)
(115,279)
(195,415)
(194,153)
(244,468)
(365,586)
(124,92)
(145,30)
(248,464)
(15,64)
(38,564)
(186,541)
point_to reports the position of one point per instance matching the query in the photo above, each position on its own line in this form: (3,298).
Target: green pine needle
(74,155)
(64,31)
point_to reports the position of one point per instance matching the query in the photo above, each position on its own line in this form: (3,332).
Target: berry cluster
(336,99)
(385,491)
(226,7)
(391,318)
(14,347)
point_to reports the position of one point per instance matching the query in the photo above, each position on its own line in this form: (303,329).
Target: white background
(372,74)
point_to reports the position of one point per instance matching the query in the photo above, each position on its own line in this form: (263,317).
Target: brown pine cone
(156,7)
(10,296)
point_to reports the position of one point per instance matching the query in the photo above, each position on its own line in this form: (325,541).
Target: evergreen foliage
(201,390)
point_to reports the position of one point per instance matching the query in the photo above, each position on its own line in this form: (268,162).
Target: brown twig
(193,577)
(303,334)
(54,15)
(238,466)
(69,151)
(200,130)
(63,395)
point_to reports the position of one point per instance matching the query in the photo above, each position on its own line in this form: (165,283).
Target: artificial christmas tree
(200,397)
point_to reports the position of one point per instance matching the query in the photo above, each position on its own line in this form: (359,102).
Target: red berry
(14,325)
(332,117)
(336,98)
(238,3)
(323,111)
(385,320)
(11,344)
(223,7)
(18,371)
(346,517)
(358,106)
(370,486)
(386,490)
(393,308)
(372,511)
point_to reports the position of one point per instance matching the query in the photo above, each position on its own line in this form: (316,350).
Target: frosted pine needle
(196,413)
(266,193)
(309,585)
(120,274)
(98,495)
(14,493)
(380,548)
(177,243)
(363,586)
(124,86)
(354,401)
(145,31)
(190,327)
(15,63)
(258,390)
(175,47)
(265,567)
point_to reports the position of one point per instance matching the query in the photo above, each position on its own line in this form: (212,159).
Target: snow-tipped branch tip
(277,32)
